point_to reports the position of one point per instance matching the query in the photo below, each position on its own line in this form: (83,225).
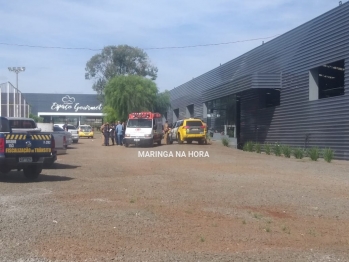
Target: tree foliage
(162,102)
(118,60)
(37,119)
(126,94)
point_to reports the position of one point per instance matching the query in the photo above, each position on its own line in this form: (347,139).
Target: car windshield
(194,123)
(85,128)
(147,123)
(57,128)
(4,125)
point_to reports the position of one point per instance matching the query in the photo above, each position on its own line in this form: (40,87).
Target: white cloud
(152,23)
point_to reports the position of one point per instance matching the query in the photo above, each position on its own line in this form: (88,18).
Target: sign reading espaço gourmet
(69,103)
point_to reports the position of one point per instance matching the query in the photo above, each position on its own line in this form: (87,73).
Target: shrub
(286,150)
(314,153)
(244,148)
(298,153)
(277,149)
(225,141)
(267,148)
(249,146)
(257,147)
(328,154)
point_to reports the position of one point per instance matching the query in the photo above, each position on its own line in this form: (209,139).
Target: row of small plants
(314,153)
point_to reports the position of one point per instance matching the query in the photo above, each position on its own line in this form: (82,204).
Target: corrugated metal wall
(284,61)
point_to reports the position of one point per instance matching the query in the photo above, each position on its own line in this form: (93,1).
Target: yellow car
(189,130)
(85,131)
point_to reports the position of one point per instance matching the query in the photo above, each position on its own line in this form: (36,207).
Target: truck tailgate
(27,144)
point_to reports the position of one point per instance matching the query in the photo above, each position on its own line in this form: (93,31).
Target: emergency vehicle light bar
(145,115)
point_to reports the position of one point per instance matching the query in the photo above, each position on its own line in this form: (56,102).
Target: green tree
(162,102)
(110,113)
(37,119)
(118,60)
(126,94)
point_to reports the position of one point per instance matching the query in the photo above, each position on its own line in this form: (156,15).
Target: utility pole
(17,70)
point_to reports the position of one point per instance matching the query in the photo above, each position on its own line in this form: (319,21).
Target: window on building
(190,111)
(175,114)
(327,80)
(272,98)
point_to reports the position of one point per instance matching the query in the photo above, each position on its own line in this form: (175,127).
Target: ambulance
(143,129)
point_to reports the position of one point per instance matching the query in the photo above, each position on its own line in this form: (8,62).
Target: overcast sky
(144,24)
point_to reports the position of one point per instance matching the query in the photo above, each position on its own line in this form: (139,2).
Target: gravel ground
(108,204)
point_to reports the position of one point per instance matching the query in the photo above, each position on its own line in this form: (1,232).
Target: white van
(144,128)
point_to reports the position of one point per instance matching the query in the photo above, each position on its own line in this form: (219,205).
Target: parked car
(86,131)
(73,130)
(189,130)
(68,135)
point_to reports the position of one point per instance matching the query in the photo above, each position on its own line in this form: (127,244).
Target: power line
(148,48)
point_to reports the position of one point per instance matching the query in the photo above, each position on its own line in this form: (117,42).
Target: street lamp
(17,70)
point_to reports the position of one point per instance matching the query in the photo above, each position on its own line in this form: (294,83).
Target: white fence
(12,102)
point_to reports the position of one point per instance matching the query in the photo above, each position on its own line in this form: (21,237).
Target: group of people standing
(114,132)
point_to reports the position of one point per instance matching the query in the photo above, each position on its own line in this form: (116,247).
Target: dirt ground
(110,204)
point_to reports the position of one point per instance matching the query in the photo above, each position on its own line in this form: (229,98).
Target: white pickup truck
(22,124)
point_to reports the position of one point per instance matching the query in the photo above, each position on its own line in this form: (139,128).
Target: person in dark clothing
(106,134)
(65,126)
(112,134)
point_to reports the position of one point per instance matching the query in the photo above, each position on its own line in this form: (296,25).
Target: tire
(180,141)
(201,142)
(5,170)
(189,141)
(88,137)
(32,172)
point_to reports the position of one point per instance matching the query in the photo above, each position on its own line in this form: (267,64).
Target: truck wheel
(180,141)
(5,170)
(151,143)
(32,172)
(189,141)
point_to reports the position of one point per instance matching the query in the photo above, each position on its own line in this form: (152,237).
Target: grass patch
(244,222)
(202,239)
(225,141)
(250,146)
(298,153)
(258,148)
(286,229)
(267,229)
(286,150)
(132,201)
(328,154)
(267,148)
(314,153)
(257,216)
(277,149)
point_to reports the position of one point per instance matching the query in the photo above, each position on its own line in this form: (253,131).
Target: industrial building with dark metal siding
(293,90)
